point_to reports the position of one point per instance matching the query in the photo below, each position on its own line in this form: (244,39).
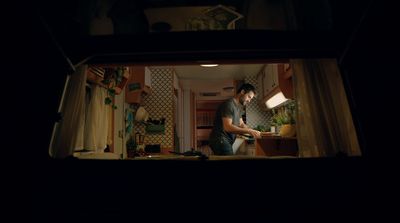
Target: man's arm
(243,129)
(242,125)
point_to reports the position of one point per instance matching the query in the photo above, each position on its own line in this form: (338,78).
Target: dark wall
(335,188)
(366,63)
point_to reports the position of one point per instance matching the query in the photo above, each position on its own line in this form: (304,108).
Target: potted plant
(131,147)
(284,119)
(114,80)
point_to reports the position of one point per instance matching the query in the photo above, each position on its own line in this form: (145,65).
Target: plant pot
(287,130)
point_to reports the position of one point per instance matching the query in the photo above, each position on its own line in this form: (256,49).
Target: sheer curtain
(69,132)
(97,121)
(83,125)
(324,123)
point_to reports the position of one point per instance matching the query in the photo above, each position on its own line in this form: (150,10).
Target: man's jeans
(221,146)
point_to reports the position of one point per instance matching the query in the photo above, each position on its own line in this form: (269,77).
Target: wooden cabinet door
(274,76)
(267,80)
(276,146)
(135,85)
(260,79)
(270,81)
(147,77)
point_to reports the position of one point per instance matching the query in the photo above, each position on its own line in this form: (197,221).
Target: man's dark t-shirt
(228,109)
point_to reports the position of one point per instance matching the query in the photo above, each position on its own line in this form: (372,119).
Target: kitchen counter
(210,158)
(276,137)
(276,146)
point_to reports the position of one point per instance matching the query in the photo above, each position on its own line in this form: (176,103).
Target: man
(228,121)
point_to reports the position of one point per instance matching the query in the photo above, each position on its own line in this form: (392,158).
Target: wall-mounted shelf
(96,75)
(205,115)
(155,129)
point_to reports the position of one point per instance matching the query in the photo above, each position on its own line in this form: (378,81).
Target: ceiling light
(209,65)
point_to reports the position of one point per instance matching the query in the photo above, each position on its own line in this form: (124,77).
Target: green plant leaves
(111,92)
(106,81)
(114,77)
(107,101)
(261,128)
(284,115)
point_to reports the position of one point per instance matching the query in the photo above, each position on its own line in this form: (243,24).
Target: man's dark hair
(247,88)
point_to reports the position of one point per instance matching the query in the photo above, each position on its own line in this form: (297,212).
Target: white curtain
(83,126)
(69,131)
(97,121)
(324,122)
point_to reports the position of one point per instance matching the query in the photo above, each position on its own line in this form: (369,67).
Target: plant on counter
(284,115)
(261,128)
(131,144)
(284,120)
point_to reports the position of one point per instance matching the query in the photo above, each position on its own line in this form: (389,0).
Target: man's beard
(241,101)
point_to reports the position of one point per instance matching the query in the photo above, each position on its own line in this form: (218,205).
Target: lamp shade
(276,100)
(141,115)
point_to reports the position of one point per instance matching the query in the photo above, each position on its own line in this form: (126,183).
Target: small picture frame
(223,15)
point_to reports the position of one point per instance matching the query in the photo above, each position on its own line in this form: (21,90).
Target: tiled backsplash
(160,104)
(255,115)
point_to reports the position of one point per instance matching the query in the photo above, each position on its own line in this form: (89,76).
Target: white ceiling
(221,72)
(213,79)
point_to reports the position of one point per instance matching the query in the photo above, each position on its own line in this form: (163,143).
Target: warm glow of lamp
(276,100)
(209,65)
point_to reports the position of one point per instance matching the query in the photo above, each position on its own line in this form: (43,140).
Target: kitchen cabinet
(270,80)
(276,146)
(139,84)
(260,86)
(276,78)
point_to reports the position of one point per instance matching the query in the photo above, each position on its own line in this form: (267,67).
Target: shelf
(202,138)
(205,118)
(205,110)
(154,129)
(205,127)
(203,133)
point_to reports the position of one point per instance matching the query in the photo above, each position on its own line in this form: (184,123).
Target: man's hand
(256,134)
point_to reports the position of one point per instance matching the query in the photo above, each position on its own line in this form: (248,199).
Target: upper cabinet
(270,80)
(138,84)
(277,86)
